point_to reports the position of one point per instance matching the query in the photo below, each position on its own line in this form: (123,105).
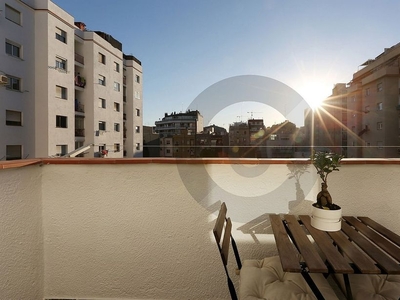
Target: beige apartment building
(362,118)
(64,87)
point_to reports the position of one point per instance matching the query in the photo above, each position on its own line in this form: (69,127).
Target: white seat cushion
(265,279)
(373,287)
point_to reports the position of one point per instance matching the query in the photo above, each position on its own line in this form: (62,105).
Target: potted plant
(325,214)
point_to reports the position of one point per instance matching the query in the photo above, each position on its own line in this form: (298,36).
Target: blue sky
(188,45)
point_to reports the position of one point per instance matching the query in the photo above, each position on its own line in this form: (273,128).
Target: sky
(187,46)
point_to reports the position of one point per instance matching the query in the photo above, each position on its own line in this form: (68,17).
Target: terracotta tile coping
(162,160)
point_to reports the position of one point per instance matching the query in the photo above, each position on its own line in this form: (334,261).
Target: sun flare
(315,92)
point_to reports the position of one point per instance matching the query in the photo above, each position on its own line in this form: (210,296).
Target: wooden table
(362,246)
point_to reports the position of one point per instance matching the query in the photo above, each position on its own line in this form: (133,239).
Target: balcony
(78,228)
(80,132)
(79,59)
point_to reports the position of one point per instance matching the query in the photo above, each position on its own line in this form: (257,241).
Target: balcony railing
(95,226)
(79,58)
(79,107)
(79,132)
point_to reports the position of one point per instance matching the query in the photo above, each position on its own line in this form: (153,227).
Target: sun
(315,92)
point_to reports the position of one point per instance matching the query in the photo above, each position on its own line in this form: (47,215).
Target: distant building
(239,139)
(64,86)
(151,142)
(177,133)
(213,141)
(257,135)
(281,140)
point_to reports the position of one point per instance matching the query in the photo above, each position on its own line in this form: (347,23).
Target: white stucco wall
(21,243)
(143,231)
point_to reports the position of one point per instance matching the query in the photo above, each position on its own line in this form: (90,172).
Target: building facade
(66,87)
(177,133)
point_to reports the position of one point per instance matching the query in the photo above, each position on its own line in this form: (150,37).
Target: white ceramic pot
(325,219)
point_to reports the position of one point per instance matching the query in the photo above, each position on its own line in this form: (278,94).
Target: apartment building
(66,87)
(362,118)
(177,133)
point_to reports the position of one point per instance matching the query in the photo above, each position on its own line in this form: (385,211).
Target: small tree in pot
(325,214)
(325,163)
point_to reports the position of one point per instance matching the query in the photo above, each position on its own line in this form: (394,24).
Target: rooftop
(141,228)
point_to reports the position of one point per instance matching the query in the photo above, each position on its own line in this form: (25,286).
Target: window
(379,106)
(380,145)
(116,67)
(61,35)
(137,94)
(61,63)
(116,127)
(61,121)
(102,80)
(13,15)
(137,146)
(367,109)
(367,92)
(379,87)
(13,118)
(117,148)
(13,152)
(61,150)
(102,103)
(61,92)
(379,125)
(137,112)
(116,86)
(116,106)
(102,58)
(102,147)
(102,125)
(273,137)
(13,49)
(14,83)
(137,129)
(137,78)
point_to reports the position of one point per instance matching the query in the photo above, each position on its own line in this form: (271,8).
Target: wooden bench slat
(384,261)
(324,242)
(365,265)
(286,250)
(307,250)
(382,230)
(380,241)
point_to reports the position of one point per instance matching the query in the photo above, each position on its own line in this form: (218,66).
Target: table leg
(348,287)
(312,285)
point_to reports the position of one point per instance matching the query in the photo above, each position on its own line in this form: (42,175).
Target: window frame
(102,58)
(61,35)
(63,92)
(10,122)
(61,121)
(12,80)
(61,63)
(9,9)
(102,80)
(102,125)
(102,103)
(12,47)
(117,127)
(379,125)
(16,157)
(117,86)
(116,67)
(117,107)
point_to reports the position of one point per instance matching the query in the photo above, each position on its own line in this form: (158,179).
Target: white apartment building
(65,87)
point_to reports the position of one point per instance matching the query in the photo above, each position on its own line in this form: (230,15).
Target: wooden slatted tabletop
(361,246)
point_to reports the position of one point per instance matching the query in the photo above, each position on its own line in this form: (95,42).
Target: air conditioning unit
(3,79)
